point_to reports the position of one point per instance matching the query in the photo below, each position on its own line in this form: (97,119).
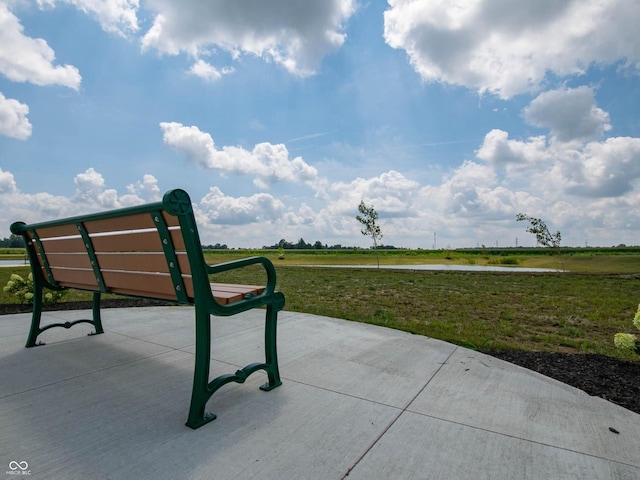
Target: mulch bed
(6,309)
(617,381)
(614,380)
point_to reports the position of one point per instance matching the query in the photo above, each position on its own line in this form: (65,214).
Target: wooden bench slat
(231,287)
(65,245)
(145,241)
(133,261)
(142,284)
(75,278)
(57,231)
(228,293)
(170,220)
(178,240)
(119,224)
(69,260)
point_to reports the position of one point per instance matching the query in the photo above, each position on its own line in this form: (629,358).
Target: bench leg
(270,347)
(36,316)
(97,319)
(203,389)
(35,330)
(201,392)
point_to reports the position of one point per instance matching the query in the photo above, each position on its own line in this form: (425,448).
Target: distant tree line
(318,245)
(300,245)
(14,241)
(217,246)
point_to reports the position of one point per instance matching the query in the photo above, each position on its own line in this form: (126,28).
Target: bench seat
(226,293)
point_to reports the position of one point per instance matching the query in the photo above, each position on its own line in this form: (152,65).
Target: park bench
(151,251)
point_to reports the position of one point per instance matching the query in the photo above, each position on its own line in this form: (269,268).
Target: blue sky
(279,117)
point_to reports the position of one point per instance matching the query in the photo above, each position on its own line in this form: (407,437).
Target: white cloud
(26,59)
(92,194)
(594,169)
(37,207)
(208,72)
(390,193)
(472,190)
(146,188)
(7,182)
(13,118)
(269,163)
(603,169)
(220,209)
(507,47)
(294,34)
(115,16)
(567,162)
(89,183)
(90,190)
(497,149)
(570,114)
(472,205)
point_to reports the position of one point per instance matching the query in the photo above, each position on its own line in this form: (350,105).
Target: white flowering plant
(629,341)
(23,289)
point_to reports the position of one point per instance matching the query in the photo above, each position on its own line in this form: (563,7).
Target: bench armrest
(245,262)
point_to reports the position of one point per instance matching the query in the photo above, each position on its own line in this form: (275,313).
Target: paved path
(357,402)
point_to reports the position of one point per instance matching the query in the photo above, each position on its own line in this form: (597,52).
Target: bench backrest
(151,250)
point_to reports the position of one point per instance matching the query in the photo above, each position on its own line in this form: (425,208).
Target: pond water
(13,263)
(467,268)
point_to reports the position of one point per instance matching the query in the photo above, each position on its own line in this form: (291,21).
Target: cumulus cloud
(390,193)
(13,118)
(7,182)
(26,59)
(225,210)
(570,114)
(568,161)
(146,188)
(472,190)
(294,34)
(115,16)
(603,169)
(208,72)
(269,163)
(507,47)
(497,149)
(90,190)
(594,169)
(92,194)
(89,183)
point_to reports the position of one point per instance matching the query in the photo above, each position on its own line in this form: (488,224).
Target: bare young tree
(369,218)
(540,230)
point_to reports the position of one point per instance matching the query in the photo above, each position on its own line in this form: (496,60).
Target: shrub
(628,341)
(23,289)
(509,261)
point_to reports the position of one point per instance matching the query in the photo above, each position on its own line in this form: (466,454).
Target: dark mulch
(6,309)
(614,380)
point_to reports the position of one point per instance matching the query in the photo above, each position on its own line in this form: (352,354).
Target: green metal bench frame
(191,286)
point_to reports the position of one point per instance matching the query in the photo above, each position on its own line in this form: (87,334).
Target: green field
(578,309)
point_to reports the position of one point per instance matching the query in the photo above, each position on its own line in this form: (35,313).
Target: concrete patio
(357,402)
